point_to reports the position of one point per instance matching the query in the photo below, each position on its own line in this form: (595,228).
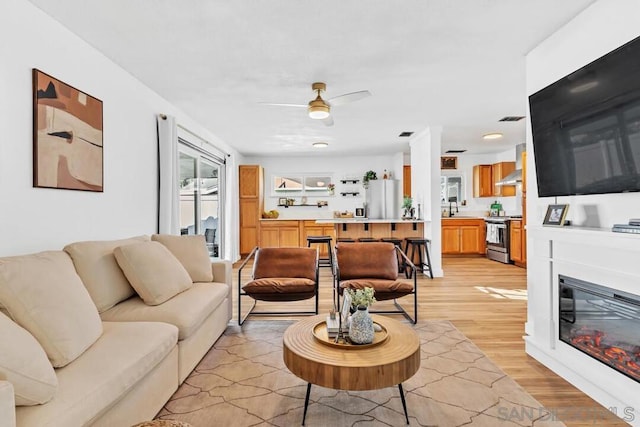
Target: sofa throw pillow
(99,271)
(24,364)
(43,293)
(192,253)
(153,271)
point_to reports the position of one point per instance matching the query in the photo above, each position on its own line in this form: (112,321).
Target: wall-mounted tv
(586,127)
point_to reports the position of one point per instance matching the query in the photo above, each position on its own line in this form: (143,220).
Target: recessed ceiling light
(495,135)
(320,144)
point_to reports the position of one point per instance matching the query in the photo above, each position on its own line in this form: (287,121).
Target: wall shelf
(349,193)
(307,205)
(349,181)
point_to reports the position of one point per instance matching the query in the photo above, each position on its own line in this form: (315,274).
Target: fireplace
(601,322)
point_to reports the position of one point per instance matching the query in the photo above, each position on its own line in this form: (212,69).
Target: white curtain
(169,170)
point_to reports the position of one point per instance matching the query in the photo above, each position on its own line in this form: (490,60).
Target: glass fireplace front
(601,322)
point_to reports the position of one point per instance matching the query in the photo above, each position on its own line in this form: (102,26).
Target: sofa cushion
(43,293)
(97,267)
(125,353)
(186,310)
(153,271)
(192,253)
(24,363)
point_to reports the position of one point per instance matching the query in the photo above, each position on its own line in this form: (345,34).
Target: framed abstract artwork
(67,136)
(448,162)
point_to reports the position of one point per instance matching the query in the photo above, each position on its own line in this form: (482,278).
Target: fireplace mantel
(594,255)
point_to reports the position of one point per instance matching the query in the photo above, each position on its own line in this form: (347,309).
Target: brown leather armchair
(279,274)
(375,265)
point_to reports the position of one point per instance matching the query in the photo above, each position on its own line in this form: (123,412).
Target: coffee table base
(306,403)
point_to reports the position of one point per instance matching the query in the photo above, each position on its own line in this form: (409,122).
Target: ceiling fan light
(318,109)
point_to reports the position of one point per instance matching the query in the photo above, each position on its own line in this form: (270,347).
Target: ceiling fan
(319,109)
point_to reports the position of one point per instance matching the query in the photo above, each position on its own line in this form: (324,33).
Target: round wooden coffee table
(385,365)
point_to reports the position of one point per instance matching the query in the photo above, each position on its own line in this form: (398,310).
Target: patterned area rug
(243,381)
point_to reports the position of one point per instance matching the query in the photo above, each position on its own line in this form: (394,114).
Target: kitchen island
(354,228)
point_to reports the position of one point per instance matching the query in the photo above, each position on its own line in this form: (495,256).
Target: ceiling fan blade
(283,105)
(328,121)
(349,97)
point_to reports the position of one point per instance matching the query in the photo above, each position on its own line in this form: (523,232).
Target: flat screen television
(586,127)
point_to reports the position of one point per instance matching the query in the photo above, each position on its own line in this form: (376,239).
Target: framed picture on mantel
(556,215)
(448,162)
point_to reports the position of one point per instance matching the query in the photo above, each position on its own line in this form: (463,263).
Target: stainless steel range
(498,238)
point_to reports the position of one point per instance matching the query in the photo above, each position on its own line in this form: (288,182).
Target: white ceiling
(458,64)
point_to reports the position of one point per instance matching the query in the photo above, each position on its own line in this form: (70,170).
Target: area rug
(243,381)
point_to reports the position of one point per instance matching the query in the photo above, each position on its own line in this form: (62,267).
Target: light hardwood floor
(486,300)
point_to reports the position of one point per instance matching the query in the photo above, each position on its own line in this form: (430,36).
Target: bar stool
(416,244)
(398,243)
(345,240)
(367,239)
(322,262)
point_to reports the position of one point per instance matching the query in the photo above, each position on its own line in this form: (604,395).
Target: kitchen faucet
(453,199)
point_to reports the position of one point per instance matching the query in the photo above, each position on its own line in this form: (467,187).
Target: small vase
(361,328)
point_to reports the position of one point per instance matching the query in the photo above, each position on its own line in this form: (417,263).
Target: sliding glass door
(201,196)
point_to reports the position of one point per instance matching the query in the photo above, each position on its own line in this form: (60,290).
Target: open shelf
(296,206)
(349,181)
(349,193)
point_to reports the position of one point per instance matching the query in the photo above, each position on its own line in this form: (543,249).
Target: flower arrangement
(361,297)
(331,187)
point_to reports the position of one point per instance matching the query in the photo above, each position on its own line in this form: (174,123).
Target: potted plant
(331,188)
(361,327)
(407,206)
(368,176)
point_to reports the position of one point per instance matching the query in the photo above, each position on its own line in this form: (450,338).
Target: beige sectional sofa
(102,333)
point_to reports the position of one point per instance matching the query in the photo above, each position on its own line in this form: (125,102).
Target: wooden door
(269,237)
(470,239)
(482,181)
(406,180)
(289,236)
(498,172)
(249,180)
(516,241)
(248,225)
(450,239)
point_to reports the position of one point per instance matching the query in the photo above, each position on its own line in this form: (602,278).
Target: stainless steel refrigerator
(383,199)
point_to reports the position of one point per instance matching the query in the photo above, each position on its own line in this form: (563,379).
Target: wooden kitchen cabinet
(279,234)
(516,239)
(463,236)
(250,184)
(482,181)
(498,172)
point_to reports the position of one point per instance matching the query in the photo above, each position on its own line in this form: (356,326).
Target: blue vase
(361,327)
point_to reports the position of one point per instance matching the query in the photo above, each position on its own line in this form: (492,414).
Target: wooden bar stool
(322,262)
(419,245)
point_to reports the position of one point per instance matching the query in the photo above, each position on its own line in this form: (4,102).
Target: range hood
(516,176)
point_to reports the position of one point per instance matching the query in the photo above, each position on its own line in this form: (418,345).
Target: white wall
(335,166)
(598,256)
(600,29)
(35,219)
(480,205)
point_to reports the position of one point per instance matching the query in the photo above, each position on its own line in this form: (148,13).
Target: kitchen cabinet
(515,248)
(278,234)
(406,180)
(498,172)
(463,236)
(250,185)
(482,181)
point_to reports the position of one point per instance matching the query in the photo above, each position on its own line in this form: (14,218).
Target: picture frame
(556,215)
(345,312)
(448,162)
(282,201)
(67,136)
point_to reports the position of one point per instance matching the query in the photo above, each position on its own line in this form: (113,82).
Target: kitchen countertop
(368,220)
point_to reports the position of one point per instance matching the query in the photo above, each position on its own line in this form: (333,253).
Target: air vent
(454,151)
(405,134)
(511,119)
